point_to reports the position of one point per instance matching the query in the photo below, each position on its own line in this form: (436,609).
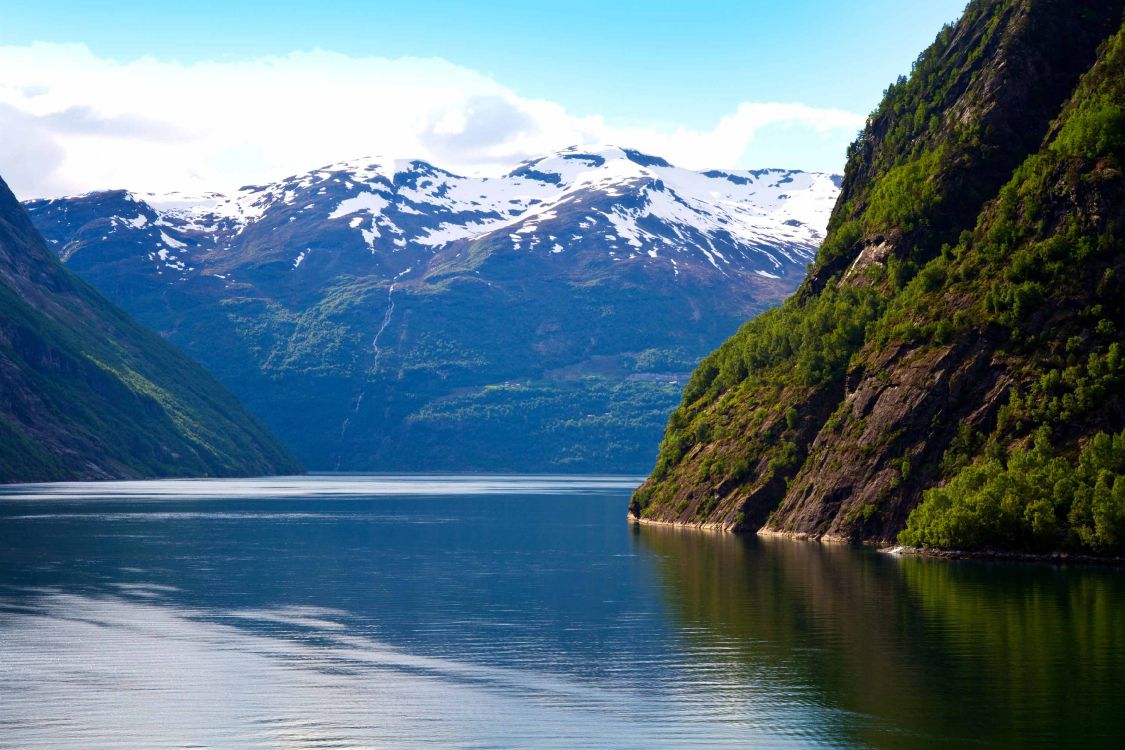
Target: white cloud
(29,156)
(74,122)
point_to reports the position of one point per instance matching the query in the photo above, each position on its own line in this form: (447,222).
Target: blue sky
(637,68)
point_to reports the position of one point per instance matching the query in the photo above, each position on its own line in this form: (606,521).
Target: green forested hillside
(87,393)
(952,366)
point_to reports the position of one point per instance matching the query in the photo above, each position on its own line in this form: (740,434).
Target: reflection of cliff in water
(910,652)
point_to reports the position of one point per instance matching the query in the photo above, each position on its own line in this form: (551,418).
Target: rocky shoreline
(1057,558)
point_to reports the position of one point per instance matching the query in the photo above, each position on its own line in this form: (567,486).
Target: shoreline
(1054,558)
(804,536)
(711,528)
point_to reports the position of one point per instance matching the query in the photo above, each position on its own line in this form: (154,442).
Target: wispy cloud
(84,120)
(73,121)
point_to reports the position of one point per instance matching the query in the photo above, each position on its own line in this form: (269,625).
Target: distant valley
(382,315)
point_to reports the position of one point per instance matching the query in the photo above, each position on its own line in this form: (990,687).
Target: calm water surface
(482,612)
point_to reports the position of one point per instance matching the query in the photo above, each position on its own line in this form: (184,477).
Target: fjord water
(517,612)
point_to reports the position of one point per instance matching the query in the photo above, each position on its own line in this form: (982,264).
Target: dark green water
(517,612)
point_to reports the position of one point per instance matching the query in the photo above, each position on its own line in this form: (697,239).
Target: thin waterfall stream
(377,353)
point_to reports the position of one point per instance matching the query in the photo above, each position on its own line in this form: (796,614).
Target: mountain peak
(605,204)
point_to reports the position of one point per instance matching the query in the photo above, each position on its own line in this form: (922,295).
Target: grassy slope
(87,393)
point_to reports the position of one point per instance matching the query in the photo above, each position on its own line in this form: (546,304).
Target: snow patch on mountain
(372,203)
(617,203)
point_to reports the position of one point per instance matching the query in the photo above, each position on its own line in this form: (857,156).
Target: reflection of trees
(1042,643)
(927,652)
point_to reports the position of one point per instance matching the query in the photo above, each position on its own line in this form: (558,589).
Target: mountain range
(390,315)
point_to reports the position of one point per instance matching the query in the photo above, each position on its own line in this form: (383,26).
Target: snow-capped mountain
(617,204)
(393,302)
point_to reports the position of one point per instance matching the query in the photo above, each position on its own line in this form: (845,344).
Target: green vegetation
(807,344)
(977,244)
(811,340)
(90,394)
(1097,128)
(1036,500)
(893,185)
(570,425)
(1070,365)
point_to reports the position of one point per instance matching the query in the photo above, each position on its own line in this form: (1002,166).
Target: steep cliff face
(87,393)
(967,298)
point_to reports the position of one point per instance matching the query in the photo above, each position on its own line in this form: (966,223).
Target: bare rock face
(866,467)
(872,256)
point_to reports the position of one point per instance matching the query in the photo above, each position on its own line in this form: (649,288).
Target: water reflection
(135,616)
(915,651)
(515,612)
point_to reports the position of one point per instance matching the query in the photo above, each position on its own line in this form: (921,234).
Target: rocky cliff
(957,346)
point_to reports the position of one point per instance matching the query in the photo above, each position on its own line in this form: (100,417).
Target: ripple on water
(398,611)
